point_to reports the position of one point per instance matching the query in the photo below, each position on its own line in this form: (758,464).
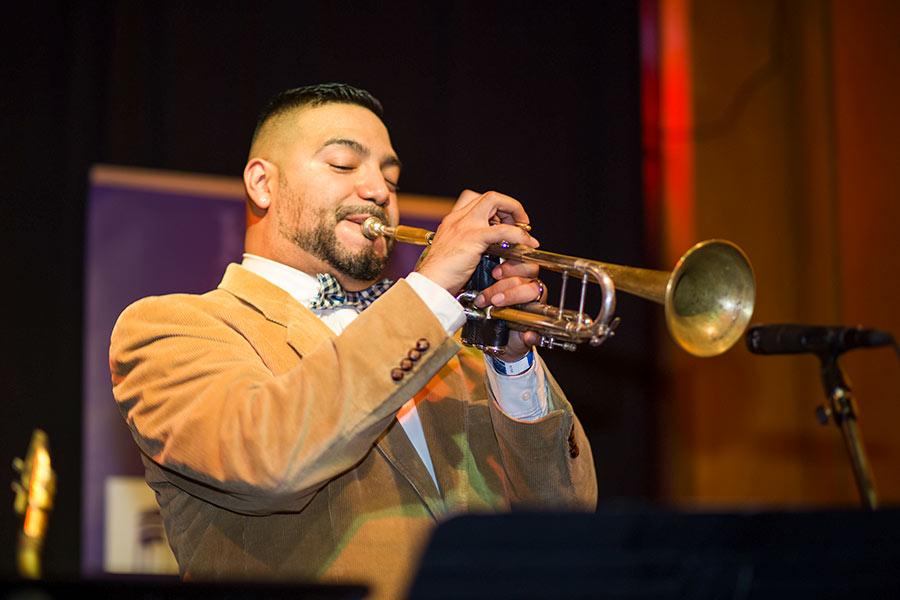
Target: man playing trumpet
(290,435)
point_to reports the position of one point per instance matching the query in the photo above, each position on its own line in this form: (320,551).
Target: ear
(259,178)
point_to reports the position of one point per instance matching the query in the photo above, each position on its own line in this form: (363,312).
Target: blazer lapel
(442,412)
(305,330)
(398,450)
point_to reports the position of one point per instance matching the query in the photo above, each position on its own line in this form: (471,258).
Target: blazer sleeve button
(406,364)
(414,355)
(422,345)
(396,374)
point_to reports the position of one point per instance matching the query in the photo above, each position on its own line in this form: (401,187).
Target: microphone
(796,339)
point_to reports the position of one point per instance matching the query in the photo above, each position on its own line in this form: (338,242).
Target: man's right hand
(476,222)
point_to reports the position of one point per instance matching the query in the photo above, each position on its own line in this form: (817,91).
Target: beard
(320,239)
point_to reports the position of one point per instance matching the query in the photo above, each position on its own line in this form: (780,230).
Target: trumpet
(708,297)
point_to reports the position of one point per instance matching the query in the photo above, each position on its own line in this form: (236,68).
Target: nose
(374,188)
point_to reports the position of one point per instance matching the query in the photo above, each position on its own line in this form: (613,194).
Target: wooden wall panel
(793,139)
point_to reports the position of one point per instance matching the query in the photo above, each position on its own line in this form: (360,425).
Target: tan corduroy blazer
(273,446)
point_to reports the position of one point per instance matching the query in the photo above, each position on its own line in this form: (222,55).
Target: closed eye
(346,169)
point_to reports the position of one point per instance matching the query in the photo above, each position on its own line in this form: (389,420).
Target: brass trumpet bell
(709,298)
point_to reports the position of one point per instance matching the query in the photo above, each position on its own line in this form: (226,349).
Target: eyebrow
(389,161)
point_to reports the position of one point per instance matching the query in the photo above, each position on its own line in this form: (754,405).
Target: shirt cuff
(512,368)
(444,306)
(522,396)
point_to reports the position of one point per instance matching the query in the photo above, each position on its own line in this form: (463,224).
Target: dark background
(541,103)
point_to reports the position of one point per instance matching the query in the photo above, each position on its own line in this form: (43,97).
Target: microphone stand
(842,409)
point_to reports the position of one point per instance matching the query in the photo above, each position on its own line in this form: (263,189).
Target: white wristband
(513,368)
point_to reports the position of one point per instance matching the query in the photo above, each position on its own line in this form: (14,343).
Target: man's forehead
(345,126)
(310,128)
(339,120)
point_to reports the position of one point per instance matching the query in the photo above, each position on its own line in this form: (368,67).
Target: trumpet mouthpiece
(372,228)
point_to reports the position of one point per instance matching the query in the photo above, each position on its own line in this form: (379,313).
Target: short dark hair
(317,95)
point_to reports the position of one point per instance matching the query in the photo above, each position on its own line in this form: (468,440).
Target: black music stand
(658,554)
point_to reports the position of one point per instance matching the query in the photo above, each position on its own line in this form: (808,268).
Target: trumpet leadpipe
(373,228)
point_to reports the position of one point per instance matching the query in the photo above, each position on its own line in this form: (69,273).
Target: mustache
(342,212)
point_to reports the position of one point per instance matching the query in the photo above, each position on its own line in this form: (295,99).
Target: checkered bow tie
(331,294)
